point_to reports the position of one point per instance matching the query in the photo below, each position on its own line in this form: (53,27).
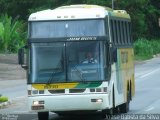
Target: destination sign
(81,38)
(91,38)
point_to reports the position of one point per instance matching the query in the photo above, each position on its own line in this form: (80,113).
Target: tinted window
(74,28)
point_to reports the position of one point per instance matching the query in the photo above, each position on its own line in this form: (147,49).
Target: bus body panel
(71,102)
(125,74)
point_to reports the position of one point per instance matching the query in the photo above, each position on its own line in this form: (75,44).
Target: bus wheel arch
(114,109)
(130,90)
(124,108)
(113,98)
(110,111)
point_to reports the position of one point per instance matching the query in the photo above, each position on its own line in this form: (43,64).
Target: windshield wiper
(52,77)
(79,73)
(54,73)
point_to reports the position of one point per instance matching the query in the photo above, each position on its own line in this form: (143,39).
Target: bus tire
(130,91)
(107,114)
(104,114)
(124,108)
(43,115)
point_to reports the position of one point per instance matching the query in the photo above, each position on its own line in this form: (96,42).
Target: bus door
(119,96)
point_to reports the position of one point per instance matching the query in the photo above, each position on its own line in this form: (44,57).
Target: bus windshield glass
(72,28)
(67,62)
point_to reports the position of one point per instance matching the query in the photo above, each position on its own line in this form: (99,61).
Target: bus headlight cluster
(35,103)
(104,89)
(98,100)
(38,105)
(35,92)
(41,102)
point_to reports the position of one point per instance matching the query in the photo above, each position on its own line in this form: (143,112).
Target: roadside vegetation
(146,49)
(12,34)
(3,99)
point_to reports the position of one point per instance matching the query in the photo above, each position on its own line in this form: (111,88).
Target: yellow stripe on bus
(54,86)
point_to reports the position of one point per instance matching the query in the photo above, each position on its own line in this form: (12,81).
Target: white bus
(61,78)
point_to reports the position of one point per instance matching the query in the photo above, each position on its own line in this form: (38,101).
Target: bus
(58,79)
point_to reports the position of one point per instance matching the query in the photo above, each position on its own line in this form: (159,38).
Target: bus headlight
(98,100)
(98,90)
(41,102)
(35,102)
(34,92)
(38,105)
(104,89)
(29,92)
(41,91)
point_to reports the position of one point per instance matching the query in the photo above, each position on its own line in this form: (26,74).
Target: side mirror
(114,54)
(109,52)
(21,57)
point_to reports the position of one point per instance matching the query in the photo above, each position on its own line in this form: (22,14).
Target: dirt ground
(9,68)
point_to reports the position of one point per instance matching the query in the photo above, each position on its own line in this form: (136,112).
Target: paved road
(13,88)
(146,100)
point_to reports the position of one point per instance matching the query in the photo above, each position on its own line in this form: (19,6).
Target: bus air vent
(57,91)
(76,90)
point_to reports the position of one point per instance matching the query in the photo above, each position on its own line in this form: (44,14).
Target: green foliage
(156,46)
(12,34)
(3,99)
(144,15)
(145,49)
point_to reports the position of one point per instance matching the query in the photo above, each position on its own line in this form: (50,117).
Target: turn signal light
(39,107)
(104,89)
(98,100)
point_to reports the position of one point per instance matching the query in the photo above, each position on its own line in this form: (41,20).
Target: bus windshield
(72,28)
(67,62)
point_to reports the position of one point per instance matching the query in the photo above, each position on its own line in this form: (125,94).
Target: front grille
(57,91)
(76,90)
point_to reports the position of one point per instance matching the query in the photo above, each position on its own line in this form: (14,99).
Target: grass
(3,99)
(145,49)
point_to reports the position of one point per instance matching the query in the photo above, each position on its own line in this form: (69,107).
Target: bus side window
(119,32)
(113,35)
(116,32)
(128,37)
(124,32)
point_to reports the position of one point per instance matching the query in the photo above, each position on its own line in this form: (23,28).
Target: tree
(12,34)
(144,15)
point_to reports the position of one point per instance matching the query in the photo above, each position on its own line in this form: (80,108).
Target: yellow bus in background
(60,77)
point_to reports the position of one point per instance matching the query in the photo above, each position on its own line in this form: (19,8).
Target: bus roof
(76,12)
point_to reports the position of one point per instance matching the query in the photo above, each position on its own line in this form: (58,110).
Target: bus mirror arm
(111,52)
(24,67)
(110,56)
(114,55)
(21,57)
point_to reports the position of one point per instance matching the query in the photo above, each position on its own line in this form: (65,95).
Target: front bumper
(74,102)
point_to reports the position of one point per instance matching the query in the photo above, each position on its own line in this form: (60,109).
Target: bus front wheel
(124,108)
(43,115)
